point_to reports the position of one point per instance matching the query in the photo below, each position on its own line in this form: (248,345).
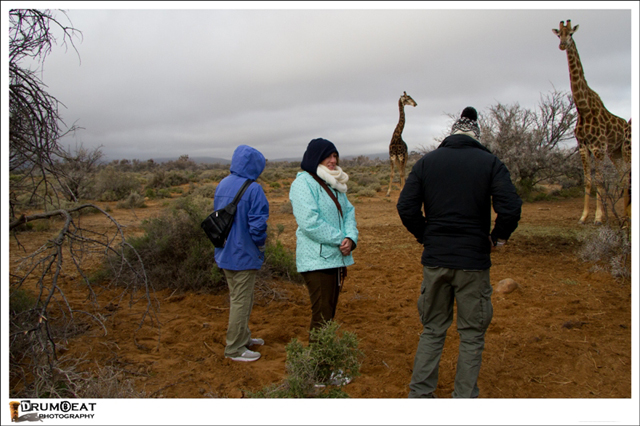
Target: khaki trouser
(472,292)
(241,285)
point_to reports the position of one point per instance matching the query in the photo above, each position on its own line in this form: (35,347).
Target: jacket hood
(317,150)
(247,162)
(462,141)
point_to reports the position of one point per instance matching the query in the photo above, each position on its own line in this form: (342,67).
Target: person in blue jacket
(327,232)
(243,253)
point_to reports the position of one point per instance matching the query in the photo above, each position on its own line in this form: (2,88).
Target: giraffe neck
(579,87)
(400,125)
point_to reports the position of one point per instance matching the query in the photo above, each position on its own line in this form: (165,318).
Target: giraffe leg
(392,161)
(586,168)
(600,187)
(401,167)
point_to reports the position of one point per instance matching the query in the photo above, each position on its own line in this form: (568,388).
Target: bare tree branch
(42,175)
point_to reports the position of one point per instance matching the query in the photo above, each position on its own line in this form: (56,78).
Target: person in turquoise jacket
(243,253)
(327,233)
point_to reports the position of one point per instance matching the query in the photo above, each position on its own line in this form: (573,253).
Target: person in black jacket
(456,184)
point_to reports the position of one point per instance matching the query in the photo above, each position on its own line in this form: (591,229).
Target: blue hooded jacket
(249,231)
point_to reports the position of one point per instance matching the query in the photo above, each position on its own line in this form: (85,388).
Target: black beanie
(317,150)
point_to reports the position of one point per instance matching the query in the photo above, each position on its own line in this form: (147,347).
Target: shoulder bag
(218,224)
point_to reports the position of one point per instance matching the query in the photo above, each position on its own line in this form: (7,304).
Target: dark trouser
(472,292)
(323,286)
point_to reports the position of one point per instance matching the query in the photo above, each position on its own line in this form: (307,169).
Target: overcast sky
(160,83)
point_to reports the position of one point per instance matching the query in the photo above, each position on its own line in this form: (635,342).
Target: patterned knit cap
(468,123)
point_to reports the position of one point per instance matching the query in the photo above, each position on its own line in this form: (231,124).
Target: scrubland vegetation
(52,189)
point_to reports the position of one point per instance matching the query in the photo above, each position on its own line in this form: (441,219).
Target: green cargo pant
(472,293)
(241,285)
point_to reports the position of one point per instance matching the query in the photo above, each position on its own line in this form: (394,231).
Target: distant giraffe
(397,148)
(599,133)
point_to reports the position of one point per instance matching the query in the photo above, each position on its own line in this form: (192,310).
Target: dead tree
(37,184)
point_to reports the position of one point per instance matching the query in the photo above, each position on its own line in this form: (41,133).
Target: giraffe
(598,132)
(397,148)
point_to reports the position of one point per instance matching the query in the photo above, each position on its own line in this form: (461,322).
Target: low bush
(112,185)
(609,249)
(205,191)
(177,254)
(175,251)
(133,201)
(311,370)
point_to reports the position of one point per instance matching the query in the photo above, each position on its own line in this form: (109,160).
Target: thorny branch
(37,182)
(46,266)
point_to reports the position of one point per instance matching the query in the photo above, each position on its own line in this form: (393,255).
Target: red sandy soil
(564,333)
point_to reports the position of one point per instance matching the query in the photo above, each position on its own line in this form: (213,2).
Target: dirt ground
(564,333)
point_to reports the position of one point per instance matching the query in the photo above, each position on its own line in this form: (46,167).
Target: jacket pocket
(327,251)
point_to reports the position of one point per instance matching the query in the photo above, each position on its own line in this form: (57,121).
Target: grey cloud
(199,82)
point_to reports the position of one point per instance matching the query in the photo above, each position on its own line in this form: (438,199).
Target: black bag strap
(330,192)
(240,193)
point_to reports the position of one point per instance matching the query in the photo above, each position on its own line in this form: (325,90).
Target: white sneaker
(339,379)
(247,356)
(255,342)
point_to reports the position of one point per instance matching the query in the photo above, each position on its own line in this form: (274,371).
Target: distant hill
(216,160)
(381,156)
(203,160)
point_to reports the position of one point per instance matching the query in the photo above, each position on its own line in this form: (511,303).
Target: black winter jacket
(457,185)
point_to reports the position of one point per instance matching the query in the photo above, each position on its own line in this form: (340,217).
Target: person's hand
(499,244)
(346,246)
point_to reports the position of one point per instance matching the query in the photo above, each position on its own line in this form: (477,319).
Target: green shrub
(21,301)
(162,179)
(43,225)
(280,261)
(176,252)
(310,369)
(163,193)
(286,207)
(133,201)
(214,175)
(367,192)
(176,178)
(205,191)
(112,185)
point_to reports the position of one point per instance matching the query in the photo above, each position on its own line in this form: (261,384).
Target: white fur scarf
(337,179)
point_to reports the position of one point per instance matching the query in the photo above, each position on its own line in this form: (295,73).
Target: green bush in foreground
(310,368)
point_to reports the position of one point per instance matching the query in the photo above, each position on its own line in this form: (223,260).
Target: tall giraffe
(397,148)
(598,132)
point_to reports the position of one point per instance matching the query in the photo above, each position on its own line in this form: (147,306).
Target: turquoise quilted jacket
(321,229)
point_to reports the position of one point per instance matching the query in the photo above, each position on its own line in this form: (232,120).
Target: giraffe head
(407,100)
(564,34)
